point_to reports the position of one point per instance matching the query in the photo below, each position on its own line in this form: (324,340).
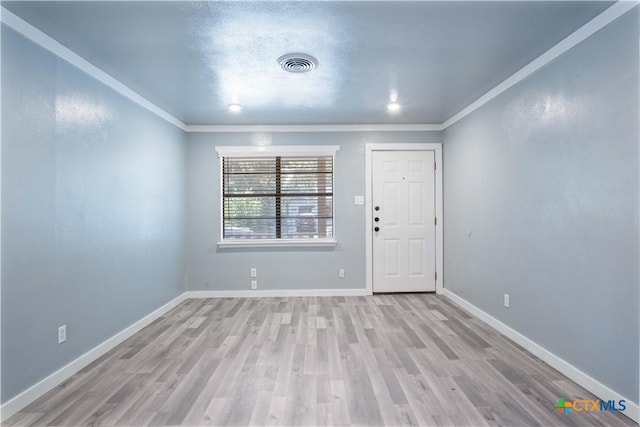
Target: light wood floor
(382,360)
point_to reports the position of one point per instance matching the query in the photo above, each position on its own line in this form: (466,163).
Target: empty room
(320,213)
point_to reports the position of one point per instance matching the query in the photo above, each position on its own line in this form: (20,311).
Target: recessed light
(235,108)
(393,107)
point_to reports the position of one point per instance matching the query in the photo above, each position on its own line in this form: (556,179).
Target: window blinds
(277,197)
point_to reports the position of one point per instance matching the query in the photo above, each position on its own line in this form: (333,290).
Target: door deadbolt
(376,229)
(376,219)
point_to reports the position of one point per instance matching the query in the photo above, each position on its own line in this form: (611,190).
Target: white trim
(40,38)
(612,13)
(591,384)
(267,293)
(368,219)
(274,150)
(638,234)
(47,384)
(1,12)
(276,243)
(271,151)
(609,15)
(37,390)
(61,375)
(369,149)
(316,128)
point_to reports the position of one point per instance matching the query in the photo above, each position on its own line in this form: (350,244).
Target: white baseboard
(34,392)
(278,293)
(61,375)
(564,367)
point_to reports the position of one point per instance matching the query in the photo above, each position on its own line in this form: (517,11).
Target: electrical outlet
(341,273)
(358,200)
(506,300)
(62,334)
(254,272)
(254,284)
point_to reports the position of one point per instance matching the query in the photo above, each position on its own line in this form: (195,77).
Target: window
(281,195)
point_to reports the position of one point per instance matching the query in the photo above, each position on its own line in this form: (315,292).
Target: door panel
(391,255)
(404,247)
(416,203)
(390,197)
(416,257)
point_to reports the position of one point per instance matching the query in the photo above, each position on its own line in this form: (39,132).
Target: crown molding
(45,41)
(605,18)
(316,128)
(609,15)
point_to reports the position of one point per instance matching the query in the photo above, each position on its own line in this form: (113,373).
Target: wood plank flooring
(393,360)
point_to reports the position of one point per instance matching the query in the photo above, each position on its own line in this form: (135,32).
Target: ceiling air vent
(297,62)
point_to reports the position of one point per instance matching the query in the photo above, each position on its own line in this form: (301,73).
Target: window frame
(274,151)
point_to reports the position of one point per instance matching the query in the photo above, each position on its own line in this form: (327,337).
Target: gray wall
(210,268)
(93,201)
(541,201)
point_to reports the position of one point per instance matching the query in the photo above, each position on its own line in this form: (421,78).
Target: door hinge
(435,220)
(435,165)
(436,275)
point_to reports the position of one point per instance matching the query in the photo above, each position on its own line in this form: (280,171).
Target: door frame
(369,149)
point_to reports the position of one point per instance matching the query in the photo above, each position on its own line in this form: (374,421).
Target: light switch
(359,200)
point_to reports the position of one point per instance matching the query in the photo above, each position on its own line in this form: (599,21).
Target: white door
(403,227)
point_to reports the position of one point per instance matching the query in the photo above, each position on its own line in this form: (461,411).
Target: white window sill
(276,243)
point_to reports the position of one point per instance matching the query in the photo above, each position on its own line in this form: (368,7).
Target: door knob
(376,229)
(376,219)
(377,208)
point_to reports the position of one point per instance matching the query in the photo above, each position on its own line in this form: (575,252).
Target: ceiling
(194,58)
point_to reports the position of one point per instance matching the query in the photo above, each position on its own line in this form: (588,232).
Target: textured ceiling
(194,58)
